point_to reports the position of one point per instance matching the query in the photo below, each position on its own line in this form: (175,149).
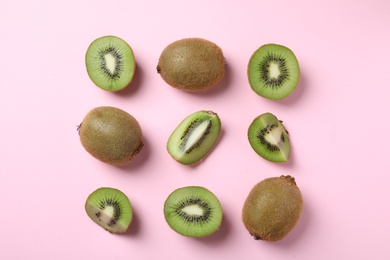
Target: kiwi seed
(111,135)
(109,208)
(193,211)
(191,64)
(272,208)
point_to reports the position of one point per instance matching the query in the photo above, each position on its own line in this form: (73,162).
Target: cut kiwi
(111,135)
(191,64)
(273,71)
(193,211)
(110,63)
(109,208)
(272,208)
(269,138)
(194,137)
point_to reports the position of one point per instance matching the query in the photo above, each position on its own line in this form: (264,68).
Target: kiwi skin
(272,208)
(111,135)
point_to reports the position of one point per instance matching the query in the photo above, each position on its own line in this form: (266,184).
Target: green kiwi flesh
(109,208)
(269,138)
(272,208)
(191,64)
(193,211)
(110,63)
(111,135)
(194,137)
(273,71)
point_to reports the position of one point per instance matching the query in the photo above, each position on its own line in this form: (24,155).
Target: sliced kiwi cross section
(273,71)
(194,137)
(269,138)
(109,208)
(193,211)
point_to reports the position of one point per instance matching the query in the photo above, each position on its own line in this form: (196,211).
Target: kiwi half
(191,64)
(110,63)
(193,211)
(273,71)
(194,137)
(269,138)
(111,135)
(109,208)
(272,208)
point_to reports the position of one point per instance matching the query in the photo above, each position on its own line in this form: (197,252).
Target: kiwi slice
(272,208)
(273,71)
(193,211)
(269,138)
(194,137)
(191,64)
(110,63)
(109,208)
(111,135)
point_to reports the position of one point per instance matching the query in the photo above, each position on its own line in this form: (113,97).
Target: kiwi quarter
(194,137)
(273,71)
(192,64)
(111,135)
(269,138)
(193,211)
(272,208)
(110,63)
(109,208)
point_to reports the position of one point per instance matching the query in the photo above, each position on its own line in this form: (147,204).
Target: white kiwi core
(196,134)
(274,138)
(193,210)
(274,70)
(110,62)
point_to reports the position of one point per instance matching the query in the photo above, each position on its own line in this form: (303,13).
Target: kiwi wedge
(269,138)
(111,135)
(193,211)
(110,63)
(194,137)
(109,208)
(273,71)
(272,208)
(191,64)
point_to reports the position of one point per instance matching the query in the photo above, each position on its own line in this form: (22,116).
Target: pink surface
(337,119)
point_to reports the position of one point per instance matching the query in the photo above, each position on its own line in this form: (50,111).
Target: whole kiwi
(191,64)
(272,208)
(111,135)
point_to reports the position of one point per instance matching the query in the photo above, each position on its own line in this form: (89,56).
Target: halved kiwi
(269,138)
(273,71)
(110,63)
(194,137)
(193,211)
(109,208)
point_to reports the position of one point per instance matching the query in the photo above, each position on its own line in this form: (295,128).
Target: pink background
(337,118)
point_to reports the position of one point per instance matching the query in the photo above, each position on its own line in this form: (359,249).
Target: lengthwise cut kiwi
(191,64)
(111,135)
(109,208)
(110,63)
(193,211)
(273,71)
(272,208)
(194,137)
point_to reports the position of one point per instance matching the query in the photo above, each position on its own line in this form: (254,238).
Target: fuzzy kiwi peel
(272,208)
(192,64)
(111,135)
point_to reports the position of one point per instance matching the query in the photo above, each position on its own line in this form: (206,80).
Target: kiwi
(191,64)
(273,71)
(109,208)
(194,137)
(111,135)
(110,63)
(272,208)
(269,138)
(193,211)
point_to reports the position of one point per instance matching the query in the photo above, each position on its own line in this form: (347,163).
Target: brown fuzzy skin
(192,64)
(111,135)
(272,208)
